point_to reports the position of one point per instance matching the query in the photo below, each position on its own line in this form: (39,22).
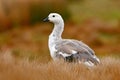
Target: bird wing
(75,50)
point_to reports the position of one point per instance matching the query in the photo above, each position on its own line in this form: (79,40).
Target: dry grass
(24,52)
(23,69)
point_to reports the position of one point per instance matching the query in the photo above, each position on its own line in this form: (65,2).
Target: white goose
(68,49)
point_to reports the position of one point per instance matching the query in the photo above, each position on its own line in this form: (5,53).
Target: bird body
(68,49)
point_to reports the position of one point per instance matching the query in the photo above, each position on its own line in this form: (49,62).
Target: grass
(12,68)
(86,9)
(32,41)
(24,53)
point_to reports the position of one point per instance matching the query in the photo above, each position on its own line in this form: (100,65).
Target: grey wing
(84,46)
(76,51)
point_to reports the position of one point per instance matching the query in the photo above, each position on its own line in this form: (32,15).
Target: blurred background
(23,33)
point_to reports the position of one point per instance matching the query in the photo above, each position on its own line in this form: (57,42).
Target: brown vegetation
(23,69)
(24,53)
(33,42)
(14,13)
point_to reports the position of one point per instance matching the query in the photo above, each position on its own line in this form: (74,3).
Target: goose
(68,49)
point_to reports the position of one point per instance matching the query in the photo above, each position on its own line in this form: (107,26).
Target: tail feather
(86,59)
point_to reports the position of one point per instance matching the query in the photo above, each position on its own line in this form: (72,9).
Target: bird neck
(57,31)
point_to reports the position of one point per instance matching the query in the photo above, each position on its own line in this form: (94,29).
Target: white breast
(53,51)
(52,47)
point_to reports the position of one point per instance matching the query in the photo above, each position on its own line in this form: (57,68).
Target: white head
(54,18)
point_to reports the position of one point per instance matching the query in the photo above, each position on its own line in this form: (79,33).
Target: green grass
(102,9)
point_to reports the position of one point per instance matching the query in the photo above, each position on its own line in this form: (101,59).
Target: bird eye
(53,16)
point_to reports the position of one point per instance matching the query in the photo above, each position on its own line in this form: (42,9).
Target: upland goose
(68,49)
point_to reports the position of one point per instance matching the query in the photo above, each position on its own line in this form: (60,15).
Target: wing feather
(83,52)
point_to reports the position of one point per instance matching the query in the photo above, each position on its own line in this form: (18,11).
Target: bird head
(54,18)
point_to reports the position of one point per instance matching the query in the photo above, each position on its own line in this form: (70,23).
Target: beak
(46,19)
